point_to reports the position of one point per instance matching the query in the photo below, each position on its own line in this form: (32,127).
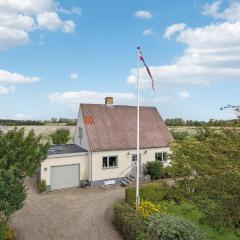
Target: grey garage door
(65,176)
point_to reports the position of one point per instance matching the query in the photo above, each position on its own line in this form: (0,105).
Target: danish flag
(140,56)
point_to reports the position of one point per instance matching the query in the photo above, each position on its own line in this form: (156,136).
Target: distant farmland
(46,130)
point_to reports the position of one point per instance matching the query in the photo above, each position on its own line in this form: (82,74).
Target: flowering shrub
(42,186)
(147,208)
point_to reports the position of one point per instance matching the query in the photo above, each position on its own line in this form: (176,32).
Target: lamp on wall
(128,153)
(145,152)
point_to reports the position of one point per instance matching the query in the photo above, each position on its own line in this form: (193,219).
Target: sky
(55,55)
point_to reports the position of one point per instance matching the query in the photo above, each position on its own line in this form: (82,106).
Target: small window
(165,156)
(105,162)
(161,156)
(110,162)
(80,132)
(134,157)
(158,156)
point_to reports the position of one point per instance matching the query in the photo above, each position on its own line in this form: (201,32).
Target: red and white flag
(140,56)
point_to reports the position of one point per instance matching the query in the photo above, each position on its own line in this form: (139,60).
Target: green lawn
(190,212)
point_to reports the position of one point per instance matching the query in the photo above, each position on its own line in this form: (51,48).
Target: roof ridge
(117,105)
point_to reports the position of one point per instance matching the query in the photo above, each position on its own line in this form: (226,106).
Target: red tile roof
(114,127)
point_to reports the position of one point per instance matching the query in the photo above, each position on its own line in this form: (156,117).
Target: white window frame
(108,167)
(162,158)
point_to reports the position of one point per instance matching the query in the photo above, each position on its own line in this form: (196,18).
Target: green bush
(60,136)
(155,169)
(128,223)
(5,232)
(179,135)
(42,186)
(155,192)
(165,227)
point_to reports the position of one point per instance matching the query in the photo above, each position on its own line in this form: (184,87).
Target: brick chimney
(108,101)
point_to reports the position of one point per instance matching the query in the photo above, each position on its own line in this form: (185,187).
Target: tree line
(175,122)
(11,122)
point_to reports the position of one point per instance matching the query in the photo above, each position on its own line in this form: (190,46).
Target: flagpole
(137,180)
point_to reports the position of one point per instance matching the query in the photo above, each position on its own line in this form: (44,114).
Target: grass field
(189,211)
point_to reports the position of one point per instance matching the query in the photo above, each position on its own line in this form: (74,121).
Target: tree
(235,108)
(213,158)
(20,156)
(60,136)
(175,122)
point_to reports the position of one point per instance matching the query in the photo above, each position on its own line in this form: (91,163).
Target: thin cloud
(184,94)
(171,30)
(231,13)
(143,14)
(74,98)
(148,32)
(10,77)
(73,76)
(6,90)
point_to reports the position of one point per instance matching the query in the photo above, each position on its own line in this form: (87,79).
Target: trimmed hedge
(155,193)
(128,223)
(163,227)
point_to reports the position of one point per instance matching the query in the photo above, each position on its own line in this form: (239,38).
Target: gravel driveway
(71,214)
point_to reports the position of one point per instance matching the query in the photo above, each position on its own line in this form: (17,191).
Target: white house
(104,149)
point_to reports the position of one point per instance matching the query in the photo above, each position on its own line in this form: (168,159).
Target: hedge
(128,223)
(154,192)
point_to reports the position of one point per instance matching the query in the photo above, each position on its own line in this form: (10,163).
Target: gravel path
(81,214)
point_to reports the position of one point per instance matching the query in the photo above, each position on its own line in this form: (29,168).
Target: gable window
(80,132)
(110,162)
(161,156)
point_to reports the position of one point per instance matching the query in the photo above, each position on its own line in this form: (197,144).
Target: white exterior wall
(65,159)
(124,162)
(80,123)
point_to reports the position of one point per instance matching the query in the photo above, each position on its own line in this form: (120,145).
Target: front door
(134,164)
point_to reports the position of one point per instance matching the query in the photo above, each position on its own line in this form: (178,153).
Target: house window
(80,132)
(109,162)
(161,156)
(134,157)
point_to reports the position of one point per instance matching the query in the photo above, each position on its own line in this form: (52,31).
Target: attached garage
(66,176)
(65,167)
